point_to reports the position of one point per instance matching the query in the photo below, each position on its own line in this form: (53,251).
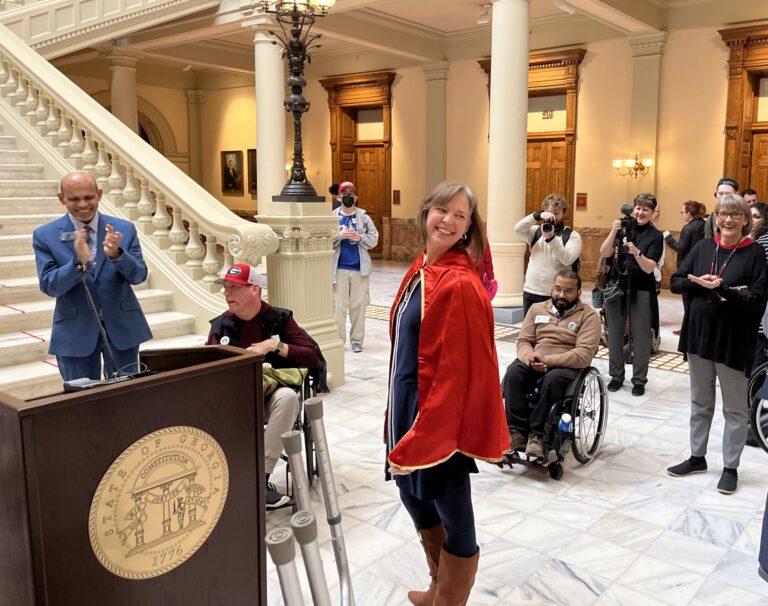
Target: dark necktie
(91,242)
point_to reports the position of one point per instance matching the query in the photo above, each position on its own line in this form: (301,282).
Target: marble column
(122,90)
(195,100)
(299,273)
(270,114)
(647,51)
(436,76)
(507,146)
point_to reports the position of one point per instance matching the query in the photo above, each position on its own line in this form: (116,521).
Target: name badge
(543,319)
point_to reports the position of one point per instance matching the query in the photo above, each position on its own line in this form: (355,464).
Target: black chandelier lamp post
(296,18)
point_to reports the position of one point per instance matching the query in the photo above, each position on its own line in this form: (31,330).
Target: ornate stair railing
(57,27)
(195,241)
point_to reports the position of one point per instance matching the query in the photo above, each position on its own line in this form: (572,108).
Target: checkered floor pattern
(665,360)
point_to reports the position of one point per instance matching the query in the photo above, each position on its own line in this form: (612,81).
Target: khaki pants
(350,294)
(281,410)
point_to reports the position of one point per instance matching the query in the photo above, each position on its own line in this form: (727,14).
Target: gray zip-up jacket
(369,238)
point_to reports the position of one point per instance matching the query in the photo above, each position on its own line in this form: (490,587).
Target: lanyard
(713,267)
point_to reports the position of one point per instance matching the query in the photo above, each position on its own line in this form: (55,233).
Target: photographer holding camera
(633,249)
(554,247)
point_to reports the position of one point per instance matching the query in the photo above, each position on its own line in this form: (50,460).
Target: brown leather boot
(432,541)
(455,578)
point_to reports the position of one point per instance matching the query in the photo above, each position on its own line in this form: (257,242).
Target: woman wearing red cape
(445,406)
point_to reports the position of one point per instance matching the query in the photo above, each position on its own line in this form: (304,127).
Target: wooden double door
(546,173)
(364,162)
(759,173)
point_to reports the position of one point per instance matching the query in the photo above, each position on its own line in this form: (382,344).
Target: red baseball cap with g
(241,273)
(347,185)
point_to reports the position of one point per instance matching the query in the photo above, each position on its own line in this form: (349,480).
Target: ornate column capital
(261,27)
(436,71)
(121,57)
(648,45)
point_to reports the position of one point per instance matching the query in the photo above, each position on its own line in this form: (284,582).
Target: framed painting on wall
(252,180)
(232,173)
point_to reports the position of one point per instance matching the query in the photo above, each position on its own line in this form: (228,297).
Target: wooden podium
(145,492)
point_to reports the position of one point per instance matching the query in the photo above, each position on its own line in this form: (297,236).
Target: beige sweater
(570,342)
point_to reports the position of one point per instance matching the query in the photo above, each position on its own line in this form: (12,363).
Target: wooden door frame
(555,73)
(362,91)
(747,64)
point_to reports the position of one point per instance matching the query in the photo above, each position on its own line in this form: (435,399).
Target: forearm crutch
(283,552)
(292,446)
(305,529)
(314,411)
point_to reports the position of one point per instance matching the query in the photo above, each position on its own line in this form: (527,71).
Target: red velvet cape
(460,402)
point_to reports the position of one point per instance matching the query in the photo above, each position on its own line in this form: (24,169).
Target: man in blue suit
(106,251)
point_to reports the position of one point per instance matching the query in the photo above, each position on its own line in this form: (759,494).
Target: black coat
(690,236)
(721,325)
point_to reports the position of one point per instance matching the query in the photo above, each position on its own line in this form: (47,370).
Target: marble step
(17,244)
(14,156)
(40,378)
(33,315)
(31,206)
(17,266)
(19,290)
(21,171)
(18,188)
(13,225)
(7,142)
(23,347)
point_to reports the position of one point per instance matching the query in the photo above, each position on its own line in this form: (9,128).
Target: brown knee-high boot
(455,578)
(432,540)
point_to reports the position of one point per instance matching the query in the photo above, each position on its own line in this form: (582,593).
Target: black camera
(628,224)
(548,227)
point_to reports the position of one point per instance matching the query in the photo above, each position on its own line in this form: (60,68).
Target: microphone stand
(82,269)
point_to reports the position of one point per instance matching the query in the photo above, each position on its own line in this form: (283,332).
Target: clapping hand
(709,281)
(112,243)
(82,250)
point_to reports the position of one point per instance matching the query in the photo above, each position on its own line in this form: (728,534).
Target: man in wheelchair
(558,339)
(272,332)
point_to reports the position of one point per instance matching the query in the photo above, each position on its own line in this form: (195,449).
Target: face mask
(348,201)
(562,305)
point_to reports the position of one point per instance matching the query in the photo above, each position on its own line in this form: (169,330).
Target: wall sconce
(633,167)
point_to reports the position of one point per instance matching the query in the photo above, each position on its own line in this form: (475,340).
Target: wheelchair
(758,408)
(586,400)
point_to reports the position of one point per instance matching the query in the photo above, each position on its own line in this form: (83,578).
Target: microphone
(82,269)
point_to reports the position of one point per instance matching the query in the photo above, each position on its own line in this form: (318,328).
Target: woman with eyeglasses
(726,281)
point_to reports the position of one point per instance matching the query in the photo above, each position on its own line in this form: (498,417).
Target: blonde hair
(734,202)
(475,240)
(554,201)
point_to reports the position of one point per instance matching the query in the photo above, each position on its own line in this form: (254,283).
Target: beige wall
(229,124)
(605,90)
(467,136)
(762,102)
(694,88)
(317,136)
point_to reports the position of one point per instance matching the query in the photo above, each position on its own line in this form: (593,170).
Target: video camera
(628,224)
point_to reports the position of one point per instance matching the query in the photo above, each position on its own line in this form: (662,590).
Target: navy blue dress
(403,405)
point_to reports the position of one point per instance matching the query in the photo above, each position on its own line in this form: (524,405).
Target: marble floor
(618,531)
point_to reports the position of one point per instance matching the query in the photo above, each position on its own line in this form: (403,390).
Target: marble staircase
(27,200)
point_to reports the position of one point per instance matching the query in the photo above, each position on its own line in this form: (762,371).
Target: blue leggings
(454,511)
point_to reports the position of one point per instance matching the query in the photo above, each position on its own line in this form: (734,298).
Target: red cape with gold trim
(460,402)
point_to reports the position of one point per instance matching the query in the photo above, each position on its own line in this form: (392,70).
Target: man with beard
(559,337)
(352,265)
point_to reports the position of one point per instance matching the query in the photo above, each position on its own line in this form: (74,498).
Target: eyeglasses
(724,214)
(563,291)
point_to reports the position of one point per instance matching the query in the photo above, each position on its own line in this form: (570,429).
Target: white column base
(299,276)
(508,260)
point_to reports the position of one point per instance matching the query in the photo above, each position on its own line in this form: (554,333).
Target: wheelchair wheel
(589,410)
(758,413)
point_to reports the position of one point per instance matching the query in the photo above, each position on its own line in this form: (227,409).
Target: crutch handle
(313,408)
(281,547)
(292,442)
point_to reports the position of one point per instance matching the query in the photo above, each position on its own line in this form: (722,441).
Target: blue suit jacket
(75,331)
